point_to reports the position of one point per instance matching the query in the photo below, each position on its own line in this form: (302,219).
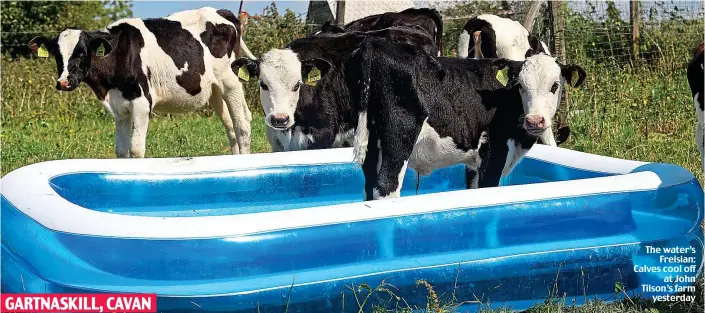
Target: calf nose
(280,120)
(535,121)
(62,84)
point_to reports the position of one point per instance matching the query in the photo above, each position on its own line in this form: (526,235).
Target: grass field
(646,116)
(40,123)
(640,116)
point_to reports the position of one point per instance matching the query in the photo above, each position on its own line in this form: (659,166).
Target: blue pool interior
(264,189)
(519,244)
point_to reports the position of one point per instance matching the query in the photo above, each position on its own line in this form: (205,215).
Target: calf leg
(240,114)
(369,167)
(140,124)
(471,177)
(390,153)
(390,177)
(322,138)
(493,163)
(123,128)
(514,153)
(221,110)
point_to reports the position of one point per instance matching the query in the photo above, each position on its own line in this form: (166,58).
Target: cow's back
(219,30)
(416,36)
(169,57)
(428,20)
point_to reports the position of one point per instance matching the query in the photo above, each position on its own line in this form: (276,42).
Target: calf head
(538,80)
(281,77)
(74,50)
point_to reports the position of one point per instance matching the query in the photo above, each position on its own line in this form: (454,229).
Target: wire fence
(594,31)
(653,33)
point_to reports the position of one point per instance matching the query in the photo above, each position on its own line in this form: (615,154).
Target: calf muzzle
(535,123)
(279,120)
(63,85)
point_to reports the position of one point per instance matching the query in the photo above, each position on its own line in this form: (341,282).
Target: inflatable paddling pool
(265,231)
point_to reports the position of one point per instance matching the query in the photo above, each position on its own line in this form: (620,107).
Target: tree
(23,20)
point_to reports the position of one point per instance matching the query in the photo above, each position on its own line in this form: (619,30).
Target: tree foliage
(274,30)
(23,20)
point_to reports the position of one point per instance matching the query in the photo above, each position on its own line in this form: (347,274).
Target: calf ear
(536,47)
(502,71)
(99,47)
(242,64)
(573,74)
(37,42)
(309,68)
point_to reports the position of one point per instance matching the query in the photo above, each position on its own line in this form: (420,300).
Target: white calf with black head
(539,83)
(428,112)
(173,65)
(491,36)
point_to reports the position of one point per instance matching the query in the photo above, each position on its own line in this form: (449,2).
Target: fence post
(635,16)
(558,32)
(340,13)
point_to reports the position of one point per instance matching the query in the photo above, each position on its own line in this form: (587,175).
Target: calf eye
(554,88)
(263,86)
(296,87)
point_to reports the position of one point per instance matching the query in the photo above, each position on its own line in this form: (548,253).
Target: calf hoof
(137,154)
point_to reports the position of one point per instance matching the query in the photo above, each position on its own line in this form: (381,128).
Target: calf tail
(362,132)
(362,136)
(463,44)
(247,52)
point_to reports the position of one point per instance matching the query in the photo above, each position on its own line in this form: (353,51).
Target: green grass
(40,123)
(646,116)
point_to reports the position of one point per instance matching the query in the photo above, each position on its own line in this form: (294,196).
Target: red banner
(78,302)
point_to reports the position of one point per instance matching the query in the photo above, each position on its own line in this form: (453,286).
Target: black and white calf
(428,112)
(429,20)
(305,115)
(491,36)
(695,80)
(175,64)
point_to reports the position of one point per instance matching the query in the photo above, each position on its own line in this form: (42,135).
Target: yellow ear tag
(42,52)
(502,76)
(313,76)
(243,73)
(100,51)
(574,78)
